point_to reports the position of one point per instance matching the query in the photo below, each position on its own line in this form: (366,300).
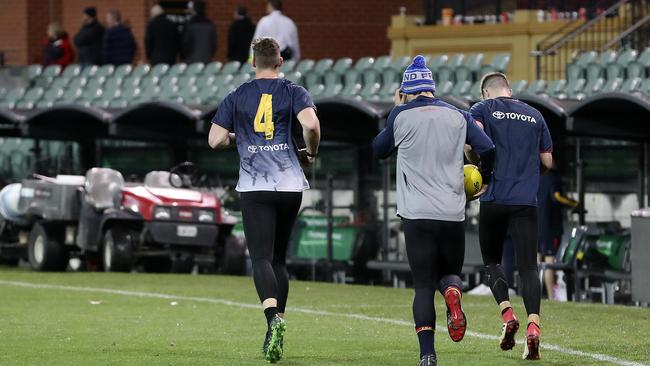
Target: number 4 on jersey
(265,113)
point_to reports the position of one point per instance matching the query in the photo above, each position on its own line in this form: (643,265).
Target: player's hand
(480,193)
(399,98)
(305,160)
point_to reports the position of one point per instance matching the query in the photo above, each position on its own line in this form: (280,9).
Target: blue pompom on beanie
(418,78)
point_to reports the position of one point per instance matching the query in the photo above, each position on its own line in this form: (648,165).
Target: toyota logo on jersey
(498,115)
(511,115)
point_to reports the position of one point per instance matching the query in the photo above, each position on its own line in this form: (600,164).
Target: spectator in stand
(119,44)
(161,39)
(240,36)
(89,38)
(281,28)
(199,35)
(58,49)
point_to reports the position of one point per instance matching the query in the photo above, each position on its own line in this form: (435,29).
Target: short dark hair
(241,10)
(266,52)
(494,80)
(276,4)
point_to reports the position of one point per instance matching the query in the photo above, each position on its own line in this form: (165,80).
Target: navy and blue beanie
(418,78)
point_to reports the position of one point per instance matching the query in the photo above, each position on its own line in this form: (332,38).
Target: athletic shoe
(428,360)
(273,351)
(481,290)
(531,349)
(510,328)
(456,321)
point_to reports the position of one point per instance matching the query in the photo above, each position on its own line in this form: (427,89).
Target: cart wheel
(156,264)
(46,249)
(233,261)
(117,251)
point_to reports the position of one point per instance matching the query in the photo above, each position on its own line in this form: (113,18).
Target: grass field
(139,319)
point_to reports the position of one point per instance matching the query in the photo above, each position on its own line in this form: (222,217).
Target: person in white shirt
(281,28)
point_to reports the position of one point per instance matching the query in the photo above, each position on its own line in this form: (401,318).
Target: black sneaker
(428,360)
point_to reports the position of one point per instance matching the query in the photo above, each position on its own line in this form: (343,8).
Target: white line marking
(550,347)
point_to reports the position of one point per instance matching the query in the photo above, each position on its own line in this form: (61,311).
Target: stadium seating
(368,78)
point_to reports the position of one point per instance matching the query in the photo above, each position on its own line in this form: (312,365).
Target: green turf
(63,327)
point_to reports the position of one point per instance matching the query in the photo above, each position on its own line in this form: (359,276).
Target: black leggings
(436,251)
(495,221)
(268,222)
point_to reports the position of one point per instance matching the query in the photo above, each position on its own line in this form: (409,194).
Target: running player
(429,136)
(522,141)
(260,114)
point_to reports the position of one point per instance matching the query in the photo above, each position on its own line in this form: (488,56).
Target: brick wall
(327,28)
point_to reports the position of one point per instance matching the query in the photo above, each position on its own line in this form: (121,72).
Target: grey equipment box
(52,200)
(640,253)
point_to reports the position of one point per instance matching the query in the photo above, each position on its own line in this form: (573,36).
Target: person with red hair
(57,50)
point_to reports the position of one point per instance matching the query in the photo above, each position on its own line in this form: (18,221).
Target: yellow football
(473,181)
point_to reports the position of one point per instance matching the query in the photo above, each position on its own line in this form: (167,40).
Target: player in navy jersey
(522,142)
(258,117)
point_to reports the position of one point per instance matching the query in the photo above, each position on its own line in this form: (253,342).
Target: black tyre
(183,265)
(46,250)
(233,261)
(117,250)
(157,264)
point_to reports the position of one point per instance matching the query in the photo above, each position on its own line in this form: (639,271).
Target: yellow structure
(518,38)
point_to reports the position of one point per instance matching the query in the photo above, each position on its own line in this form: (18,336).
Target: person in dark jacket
(58,49)
(89,39)
(161,39)
(199,36)
(240,36)
(119,44)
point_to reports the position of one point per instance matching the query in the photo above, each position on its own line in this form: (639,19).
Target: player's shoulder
(482,105)
(528,109)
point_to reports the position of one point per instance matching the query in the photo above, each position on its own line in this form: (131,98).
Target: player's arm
(310,131)
(221,133)
(384,143)
(476,114)
(545,148)
(220,138)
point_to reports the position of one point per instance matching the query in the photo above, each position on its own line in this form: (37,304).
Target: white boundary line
(550,347)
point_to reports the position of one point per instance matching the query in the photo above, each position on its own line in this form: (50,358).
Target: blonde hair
(56,29)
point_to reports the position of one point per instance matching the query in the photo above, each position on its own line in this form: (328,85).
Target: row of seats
(609,65)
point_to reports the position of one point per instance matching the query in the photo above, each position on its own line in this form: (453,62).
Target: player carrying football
(260,114)
(429,136)
(522,142)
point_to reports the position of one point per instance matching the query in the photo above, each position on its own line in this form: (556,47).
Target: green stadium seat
(95,82)
(575,71)
(536,87)
(246,68)
(43,104)
(132,93)
(371,76)
(585,58)
(463,73)
(159,70)
(445,73)
(500,62)
(240,79)
(389,75)
(77,82)
(51,71)
(474,61)
(188,92)
(369,90)
(627,56)
(312,80)
(141,70)
(294,76)
(333,78)
(435,62)
(343,64)
(123,71)
(644,88)
(607,57)
(90,94)
(59,83)
(89,71)
(108,94)
(193,101)
(208,93)
(361,64)
(456,60)
(34,71)
(381,63)
(133,81)
(212,69)
(400,63)
(170,93)
(635,70)
(595,71)
(323,65)
(52,95)
(118,104)
(33,94)
(351,77)
(461,88)
(205,80)
(287,66)
(71,71)
(105,71)
(612,85)
(332,90)
(615,70)
(350,90)
(316,91)
(100,103)
(485,69)
(305,66)
(475,91)
(194,69)
(186,80)
(25,104)
(70,96)
(387,91)
(444,88)
(556,87)
(3,92)
(12,97)
(518,86)
(177,69)
(113,83)
(590,88)
(231,68)
(631,85)
(168,80)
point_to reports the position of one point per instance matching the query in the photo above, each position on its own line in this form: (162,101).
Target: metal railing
(623,23)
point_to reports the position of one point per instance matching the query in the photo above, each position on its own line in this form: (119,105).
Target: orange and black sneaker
(510,328)
(456,321)
(531,348)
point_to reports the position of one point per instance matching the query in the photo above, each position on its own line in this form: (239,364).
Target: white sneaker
(481,290)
